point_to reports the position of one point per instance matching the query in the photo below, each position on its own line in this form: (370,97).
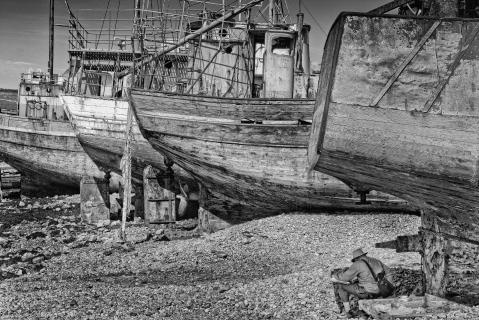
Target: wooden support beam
(390,6)
(409,243)
(405,63)
(435,251)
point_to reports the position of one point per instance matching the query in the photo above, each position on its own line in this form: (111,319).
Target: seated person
(357,282)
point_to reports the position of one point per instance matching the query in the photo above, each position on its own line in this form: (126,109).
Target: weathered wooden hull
(259,166)
(100,125)
(47,153)
(397,112)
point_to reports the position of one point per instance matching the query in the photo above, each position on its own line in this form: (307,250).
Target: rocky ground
(55,267)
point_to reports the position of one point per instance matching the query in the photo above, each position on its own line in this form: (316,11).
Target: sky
(24,30)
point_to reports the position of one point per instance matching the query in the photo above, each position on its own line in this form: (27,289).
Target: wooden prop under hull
(100,125)
(397,111)
(249,152)
(47,153)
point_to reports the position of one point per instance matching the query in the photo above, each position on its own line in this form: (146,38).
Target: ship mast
(50,42)
(274,11)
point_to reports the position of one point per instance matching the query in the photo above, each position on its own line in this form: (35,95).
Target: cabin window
(36,109)
(228,49)
(99,84)
(282,46)
(223,33)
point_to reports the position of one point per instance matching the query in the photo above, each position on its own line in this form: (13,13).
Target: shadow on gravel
(12,214)
(194,275)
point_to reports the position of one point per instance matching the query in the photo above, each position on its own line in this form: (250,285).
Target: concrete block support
(94,200)
(207,221)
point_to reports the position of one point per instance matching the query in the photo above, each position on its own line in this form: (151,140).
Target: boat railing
(101,29)
(229,51)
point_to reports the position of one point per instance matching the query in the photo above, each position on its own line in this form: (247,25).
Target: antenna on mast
(51,37)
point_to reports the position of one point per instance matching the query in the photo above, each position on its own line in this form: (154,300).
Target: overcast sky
(24,30)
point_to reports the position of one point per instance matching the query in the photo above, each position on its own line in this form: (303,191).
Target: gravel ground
(274,268)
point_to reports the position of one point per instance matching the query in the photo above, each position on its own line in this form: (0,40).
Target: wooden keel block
(94,200)
(435,262)
(209,223)
(160,204)
(409,243)
(139,202)
(363,196)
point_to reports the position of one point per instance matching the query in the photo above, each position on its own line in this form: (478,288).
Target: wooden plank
(325,87)
(407,307)
(377,146)
(405,63)
(225,108)
(441,85)
(409,243)
(390,6)
(278,136)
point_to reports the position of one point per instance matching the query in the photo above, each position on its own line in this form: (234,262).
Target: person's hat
(358,253)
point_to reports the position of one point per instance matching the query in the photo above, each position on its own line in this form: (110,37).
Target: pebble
(38,259)
(27,256)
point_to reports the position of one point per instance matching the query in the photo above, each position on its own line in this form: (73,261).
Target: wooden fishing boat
(259,166)
(239,119)
(397,112)
(100,125)
(95,96)
(47,153)
(40,143)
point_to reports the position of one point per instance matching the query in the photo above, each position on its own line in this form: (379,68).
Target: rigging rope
(314,19)
(102,24)
(116,22)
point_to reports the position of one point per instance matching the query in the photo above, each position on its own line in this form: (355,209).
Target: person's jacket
(360,270)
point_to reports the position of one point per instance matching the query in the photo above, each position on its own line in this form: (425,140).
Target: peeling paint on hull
(47,153)
(420,142)
(260,167)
